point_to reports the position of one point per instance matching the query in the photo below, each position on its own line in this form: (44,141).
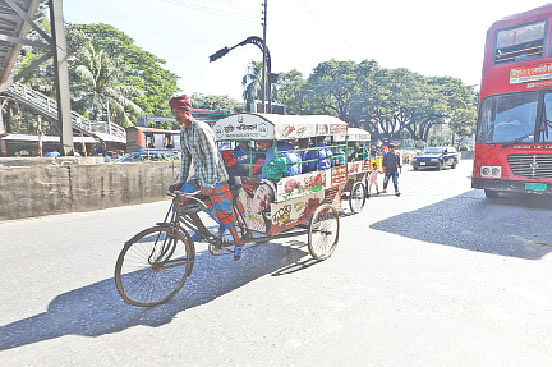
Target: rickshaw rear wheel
(357,197)
(323,232)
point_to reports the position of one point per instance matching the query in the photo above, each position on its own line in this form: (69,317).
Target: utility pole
(263,84)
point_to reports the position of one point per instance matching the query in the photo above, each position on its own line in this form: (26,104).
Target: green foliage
(252,83)
(200,101)
(389,103)
(140,69)
(97,88)
(290,91)
(332,86)
(133,80)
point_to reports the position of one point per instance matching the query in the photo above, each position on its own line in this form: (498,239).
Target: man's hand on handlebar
(205,191)
(175,187)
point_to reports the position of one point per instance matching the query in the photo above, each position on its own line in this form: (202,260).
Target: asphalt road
(440,276)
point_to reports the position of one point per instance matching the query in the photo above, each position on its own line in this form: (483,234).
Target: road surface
(440,276)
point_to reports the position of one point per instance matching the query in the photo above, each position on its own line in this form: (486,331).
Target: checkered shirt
(199,146)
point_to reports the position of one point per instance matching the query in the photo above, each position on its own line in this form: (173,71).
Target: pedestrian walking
(373,179)
(391,164)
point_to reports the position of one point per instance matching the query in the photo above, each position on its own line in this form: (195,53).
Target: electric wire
(209,10)
(232,5)
(206,9)
(306,6)
(211,7)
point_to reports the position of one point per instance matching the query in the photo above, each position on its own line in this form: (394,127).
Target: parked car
(436,157)
(152,155)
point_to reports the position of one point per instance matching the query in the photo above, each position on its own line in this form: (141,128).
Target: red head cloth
(181,103)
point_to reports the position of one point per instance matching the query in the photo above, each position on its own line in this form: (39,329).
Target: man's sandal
(238,250)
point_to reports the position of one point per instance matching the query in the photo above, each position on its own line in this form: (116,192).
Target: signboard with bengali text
(531,73)
(279,127)
(243,127)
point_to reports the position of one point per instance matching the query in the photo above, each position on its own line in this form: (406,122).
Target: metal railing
(48,107)
(107,128)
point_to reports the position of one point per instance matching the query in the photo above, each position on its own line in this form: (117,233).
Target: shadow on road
(298,265)
(98,309)
(508,226)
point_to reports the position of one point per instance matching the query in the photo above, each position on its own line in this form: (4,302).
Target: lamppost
(257,41)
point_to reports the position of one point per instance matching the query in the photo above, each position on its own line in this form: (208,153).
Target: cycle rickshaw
(358,164)
(273,198)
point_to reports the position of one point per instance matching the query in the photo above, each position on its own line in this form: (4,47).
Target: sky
(434,38)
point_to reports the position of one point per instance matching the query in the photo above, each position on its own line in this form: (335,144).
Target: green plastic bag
(274,169)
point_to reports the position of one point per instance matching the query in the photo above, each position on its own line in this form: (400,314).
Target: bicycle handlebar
(189,194)
(185,194)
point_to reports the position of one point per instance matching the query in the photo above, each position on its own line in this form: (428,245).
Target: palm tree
(97,90)
(252,83)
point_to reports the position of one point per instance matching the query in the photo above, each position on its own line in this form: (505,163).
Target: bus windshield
(508,118)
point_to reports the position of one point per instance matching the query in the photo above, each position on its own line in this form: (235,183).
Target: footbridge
(47,107)
(16,23)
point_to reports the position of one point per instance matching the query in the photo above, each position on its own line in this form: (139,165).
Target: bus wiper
(518,140)
(546,124)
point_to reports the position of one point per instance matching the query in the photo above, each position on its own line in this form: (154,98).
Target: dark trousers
(395,177)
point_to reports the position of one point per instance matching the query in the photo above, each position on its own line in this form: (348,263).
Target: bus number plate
(535,186)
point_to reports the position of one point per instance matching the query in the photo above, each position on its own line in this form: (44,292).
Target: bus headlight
(491,171)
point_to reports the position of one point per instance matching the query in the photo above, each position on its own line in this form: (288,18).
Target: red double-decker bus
(513,150)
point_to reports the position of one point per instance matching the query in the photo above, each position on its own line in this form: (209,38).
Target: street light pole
(257,41)
(263,83)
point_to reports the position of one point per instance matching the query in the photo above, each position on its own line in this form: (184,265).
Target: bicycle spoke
(148,273)
(153,266)
(323,233)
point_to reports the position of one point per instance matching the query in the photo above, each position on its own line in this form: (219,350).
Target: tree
(201,101)
(427,110)
(333,84)
(291,91)
(252,83)
(447,101)
(385,103)
(462,107)
(141,69)
(98,89)
(137,68)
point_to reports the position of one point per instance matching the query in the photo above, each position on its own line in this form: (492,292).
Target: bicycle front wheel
(153,265)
